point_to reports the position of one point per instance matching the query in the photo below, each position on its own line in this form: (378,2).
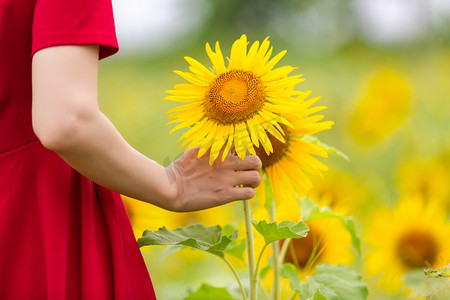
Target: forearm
(97,150)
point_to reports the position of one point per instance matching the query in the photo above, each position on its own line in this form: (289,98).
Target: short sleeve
(74,22)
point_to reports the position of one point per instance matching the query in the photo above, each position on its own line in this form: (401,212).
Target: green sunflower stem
(275,258)
(250,249)
(241,287)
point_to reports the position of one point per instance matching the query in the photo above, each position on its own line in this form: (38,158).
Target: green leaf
(334,283)
(170,250)
(329,149)
(210,239)
(286,229)
(311,211)
(437,273)
(237,249)
(264,271)
(319,296)
(290,271)
(208,292)
(268,192)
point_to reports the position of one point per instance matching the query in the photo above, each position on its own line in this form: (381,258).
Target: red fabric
(61,235)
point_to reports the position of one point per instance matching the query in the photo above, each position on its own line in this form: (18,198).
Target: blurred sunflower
(413,235)
(428,178)
(286,165)
(339,191)
(383,106)
(238,104)
(327,242)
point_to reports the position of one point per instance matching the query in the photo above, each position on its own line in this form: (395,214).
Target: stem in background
(275,257)
(259,261)
(237,278)
(294,296)
(250,249)
(284,249)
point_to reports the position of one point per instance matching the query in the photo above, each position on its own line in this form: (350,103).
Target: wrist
(172,191)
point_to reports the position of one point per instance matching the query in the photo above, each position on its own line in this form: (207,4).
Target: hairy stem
(250,249)
(237,278)
(275,257)
(259,260)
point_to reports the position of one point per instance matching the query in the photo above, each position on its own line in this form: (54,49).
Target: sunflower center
(417,249)
(234,96)
(302,250)
(279,149)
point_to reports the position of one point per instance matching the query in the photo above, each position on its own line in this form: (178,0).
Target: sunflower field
(352,124)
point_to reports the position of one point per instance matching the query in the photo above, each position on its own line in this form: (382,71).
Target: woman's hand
(197,185)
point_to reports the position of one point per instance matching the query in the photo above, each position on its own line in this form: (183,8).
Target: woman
(64,231)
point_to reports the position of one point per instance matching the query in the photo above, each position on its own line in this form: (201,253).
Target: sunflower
(412,236)
(328,241)
(383,106)
(340,191)
(285,167)
(238,104)
(428,178)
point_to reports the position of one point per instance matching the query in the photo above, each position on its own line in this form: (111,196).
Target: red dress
(61,235)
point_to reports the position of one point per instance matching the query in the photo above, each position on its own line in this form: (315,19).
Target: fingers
(247,178)
(242,193)
(250,162)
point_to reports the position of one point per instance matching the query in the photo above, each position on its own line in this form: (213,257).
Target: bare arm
(67,120)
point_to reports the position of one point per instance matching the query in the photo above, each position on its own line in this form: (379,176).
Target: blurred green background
(381,67)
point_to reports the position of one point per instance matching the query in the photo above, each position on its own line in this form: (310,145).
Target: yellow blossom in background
(287,164)
(411,236)
(427,178)
(339,191)
(327,242)
(238,104)
(383,104)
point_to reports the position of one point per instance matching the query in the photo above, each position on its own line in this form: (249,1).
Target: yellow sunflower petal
(216,58)
(209,140)
(259,56)
(183,107)
(253,135)
(238,53)
(199,69)
(230,141)
(277,73)
(251,56)
(284,83)
(187,136)
(271,63)
(221,137)
(241,139)
(192,78)
(270,128)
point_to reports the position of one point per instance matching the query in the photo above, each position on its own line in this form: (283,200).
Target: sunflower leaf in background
(237,249)
(208,292)
(286,229)
(437,273)
(328,282)
(425,287)
(311,211)
(206,238)
(329,149)
(170,250)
